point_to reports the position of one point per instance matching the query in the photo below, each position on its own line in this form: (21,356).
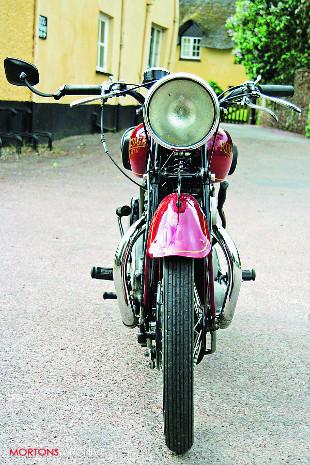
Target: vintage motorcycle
(177,272)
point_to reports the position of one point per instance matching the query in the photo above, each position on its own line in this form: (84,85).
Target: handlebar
(81,90)
(276,90)
(78,90)
(98,90)
(238,92)
(270,90)
(247,94)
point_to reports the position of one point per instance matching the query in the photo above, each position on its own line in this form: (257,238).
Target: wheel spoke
(198,318)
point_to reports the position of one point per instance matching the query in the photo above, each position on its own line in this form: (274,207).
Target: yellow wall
(16,39)
(69,54)
(138,19)
(216,65)
(166,15)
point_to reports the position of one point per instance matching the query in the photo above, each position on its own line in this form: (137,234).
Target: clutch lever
(106,93)
(285,103)
(250,104)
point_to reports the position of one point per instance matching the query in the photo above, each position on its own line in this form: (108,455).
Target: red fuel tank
(222,156)
(138,151)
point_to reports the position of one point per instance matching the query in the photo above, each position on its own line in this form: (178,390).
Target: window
(155,45)
(102,47)
(190,48)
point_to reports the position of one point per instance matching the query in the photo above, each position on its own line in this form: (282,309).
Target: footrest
(109,295)
(101,273)
(248,275)
(125,210)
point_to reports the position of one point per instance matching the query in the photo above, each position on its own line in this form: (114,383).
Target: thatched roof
(210,16)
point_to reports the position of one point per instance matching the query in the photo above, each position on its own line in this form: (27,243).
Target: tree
(271,37)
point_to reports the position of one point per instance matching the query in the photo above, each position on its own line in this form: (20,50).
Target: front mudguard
(178,227)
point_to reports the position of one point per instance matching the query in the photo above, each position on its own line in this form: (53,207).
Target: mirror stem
(23,77)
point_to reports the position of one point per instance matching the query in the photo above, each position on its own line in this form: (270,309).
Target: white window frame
(154,53)
(102,19)
(193,44)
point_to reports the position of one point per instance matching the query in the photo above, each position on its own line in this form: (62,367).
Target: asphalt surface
(73,377)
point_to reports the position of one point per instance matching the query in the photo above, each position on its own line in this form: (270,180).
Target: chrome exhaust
(122,254)
(234,276)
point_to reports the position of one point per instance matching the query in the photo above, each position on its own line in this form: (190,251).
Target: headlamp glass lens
(181,112)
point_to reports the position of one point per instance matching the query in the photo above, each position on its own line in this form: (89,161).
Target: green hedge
(308,124)
(217,89)
(271,38)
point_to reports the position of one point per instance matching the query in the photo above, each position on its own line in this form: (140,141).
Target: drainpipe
(121,46)
(145,42)
(121,40)
(34,57)
(173,32)
(35,35)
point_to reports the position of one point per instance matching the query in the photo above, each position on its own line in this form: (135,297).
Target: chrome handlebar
(248,92)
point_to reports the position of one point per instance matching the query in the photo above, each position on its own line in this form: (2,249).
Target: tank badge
(138,142)
(226,148)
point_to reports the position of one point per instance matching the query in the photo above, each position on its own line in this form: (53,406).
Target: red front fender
(178,230)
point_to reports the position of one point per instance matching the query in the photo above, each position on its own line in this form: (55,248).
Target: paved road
(73,377)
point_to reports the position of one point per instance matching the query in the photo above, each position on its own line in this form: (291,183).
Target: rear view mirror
(15,67)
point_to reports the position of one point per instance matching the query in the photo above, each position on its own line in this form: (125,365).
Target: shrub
(271,37)
(308,124)
(217,89)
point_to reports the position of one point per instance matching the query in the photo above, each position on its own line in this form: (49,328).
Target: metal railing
(239,115)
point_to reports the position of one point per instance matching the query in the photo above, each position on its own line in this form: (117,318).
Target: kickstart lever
(125,210)
(221,198)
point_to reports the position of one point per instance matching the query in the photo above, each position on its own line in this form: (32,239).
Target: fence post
(253,116)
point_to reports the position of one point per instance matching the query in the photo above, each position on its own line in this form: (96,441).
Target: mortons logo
(34,452)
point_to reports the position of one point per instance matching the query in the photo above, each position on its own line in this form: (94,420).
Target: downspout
(34,35)
(121,46)
(34,57)
(173,33)
(121,41)
(145,42)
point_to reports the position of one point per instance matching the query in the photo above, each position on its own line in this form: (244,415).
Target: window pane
(154,50)
(102,31)
(190,47)
(103,24)
(157,42)
(151,51)
(185,47)
(101,57)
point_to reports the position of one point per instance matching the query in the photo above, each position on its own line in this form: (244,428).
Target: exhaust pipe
(234,276)
(122,254)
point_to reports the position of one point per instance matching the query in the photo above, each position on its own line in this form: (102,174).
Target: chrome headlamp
(181,111)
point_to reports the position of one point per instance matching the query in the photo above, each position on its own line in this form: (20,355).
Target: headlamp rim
(199,81)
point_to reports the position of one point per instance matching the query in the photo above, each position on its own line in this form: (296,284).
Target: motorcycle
(177,272)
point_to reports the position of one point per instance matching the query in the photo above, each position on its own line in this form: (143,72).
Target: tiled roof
(210,16)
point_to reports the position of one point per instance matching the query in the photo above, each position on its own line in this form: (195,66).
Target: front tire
(177,345)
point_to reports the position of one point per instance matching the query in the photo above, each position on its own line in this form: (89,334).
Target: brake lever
(258,79)
(250,104)
(90,99)
(285,103)
(121,89)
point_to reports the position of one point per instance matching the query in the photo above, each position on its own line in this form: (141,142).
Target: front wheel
(177,348)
